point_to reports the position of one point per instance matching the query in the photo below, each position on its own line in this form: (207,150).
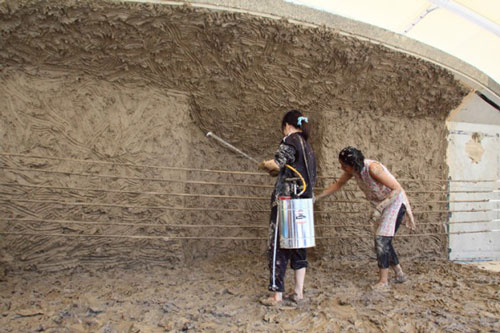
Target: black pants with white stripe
(278,261)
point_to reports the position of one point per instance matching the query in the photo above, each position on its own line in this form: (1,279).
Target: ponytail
(297,120)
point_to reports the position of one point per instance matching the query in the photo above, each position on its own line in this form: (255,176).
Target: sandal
(295,299)
(380,287)
(400,278)
(269,301)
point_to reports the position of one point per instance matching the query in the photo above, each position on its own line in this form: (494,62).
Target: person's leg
(277,284)
(277,261)
(395,265)
(383,278)
(299,264)
(382,250)
(277,274)
(393,257)
(300,275)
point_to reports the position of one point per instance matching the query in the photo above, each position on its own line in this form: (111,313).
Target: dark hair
(352,157)
(297,120)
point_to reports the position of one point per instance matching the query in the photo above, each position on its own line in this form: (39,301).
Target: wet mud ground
(222,295)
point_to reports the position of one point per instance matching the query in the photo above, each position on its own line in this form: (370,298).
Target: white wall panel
(473,157)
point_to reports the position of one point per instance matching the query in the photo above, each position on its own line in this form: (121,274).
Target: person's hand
(316,198)
(262,166)
(412,226)
(375,215)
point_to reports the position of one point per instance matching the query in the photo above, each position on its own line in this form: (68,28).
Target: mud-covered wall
(140,84)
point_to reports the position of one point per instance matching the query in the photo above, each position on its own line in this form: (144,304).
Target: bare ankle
(398,270)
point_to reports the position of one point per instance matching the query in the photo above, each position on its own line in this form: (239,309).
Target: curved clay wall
(138,85)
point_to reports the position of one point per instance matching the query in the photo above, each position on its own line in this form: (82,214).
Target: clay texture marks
(243,71)
(142,83)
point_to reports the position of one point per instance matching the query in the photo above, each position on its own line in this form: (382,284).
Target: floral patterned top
(376,192)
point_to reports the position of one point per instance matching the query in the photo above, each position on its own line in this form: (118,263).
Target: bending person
(390,202)
(296,152)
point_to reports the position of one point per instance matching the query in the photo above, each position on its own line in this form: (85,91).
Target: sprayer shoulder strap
(305,159)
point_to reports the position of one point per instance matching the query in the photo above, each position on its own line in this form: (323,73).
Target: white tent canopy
(466,29)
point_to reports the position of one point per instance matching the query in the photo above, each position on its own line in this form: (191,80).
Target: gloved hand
(262,166)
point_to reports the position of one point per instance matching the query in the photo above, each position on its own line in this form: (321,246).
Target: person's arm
(377,172)
(335,186)
(284,155)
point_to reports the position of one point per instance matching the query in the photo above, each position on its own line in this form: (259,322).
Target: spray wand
(230,146)
(233,148)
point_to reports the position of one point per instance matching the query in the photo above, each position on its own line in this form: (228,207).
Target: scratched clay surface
(141,84)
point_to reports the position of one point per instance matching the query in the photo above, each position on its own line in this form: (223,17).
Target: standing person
(296,152)
(390,202)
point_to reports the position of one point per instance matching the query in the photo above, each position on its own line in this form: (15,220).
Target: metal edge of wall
(469,75)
